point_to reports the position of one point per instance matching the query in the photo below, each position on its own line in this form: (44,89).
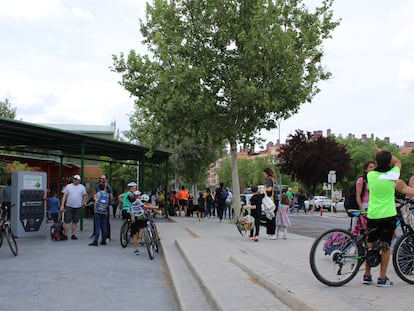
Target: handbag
(268,204)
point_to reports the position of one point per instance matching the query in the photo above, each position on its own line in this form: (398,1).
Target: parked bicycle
(6,229)
(151,236)
(337,255)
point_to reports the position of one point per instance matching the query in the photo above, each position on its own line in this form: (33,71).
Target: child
(256,211)
(54,203)
(282,218)
(201,205)
(138,221)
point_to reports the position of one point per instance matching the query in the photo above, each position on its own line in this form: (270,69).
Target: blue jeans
(228,209)
(208,210)
(101,222)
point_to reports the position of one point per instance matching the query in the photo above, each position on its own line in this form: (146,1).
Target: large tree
(310,158)
(227,68)
(6,110)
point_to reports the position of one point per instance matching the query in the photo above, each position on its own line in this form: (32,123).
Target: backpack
(209,199)
(57,233)
(101,206)
(350,199)
(223,194)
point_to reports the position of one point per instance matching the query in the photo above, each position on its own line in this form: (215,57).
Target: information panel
(28,216)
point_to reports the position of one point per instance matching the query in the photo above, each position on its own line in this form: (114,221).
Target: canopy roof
(27,137)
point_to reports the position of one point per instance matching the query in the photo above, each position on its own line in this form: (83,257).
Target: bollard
(321,212)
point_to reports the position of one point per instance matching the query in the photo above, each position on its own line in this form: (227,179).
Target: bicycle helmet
(132,184)
(137,192)
(145,198)
(131,197)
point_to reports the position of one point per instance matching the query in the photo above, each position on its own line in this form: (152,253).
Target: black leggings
(256,224)
(271,226)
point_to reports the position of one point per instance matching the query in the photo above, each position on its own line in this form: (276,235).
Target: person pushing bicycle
(139,204)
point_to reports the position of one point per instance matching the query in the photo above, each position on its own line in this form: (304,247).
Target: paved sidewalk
(72,276)
(234,273)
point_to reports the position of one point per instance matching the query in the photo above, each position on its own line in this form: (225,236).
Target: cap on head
(77,177)
(132,184)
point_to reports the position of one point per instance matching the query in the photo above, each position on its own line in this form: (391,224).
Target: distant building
(274,150)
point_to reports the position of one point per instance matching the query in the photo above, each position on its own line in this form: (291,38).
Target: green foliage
(224,70)
(250,171)
(6,110)
(310,159)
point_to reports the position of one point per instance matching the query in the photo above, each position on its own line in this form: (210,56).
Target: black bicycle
(6,229)
(151,236)
(154,231)
(337,255)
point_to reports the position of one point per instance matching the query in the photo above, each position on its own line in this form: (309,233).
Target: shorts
(201,209)
(385,229)
(137,225)
(72,214)
(183,202)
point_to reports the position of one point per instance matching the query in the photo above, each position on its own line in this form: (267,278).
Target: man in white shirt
(74,197)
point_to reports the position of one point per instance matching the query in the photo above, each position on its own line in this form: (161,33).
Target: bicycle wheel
(403,257)
(155,237)
(148,242)
(241,227)
(11,241)
(125,233)
(335,257)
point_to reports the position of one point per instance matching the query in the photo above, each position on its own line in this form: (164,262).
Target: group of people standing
(277,219)
(220,202)
(209,204)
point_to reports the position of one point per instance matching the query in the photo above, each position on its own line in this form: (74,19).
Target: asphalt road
(314,225)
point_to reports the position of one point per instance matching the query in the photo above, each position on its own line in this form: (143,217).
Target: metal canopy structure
(27,137)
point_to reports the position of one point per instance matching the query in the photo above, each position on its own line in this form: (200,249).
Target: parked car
(319,202)
(339,205)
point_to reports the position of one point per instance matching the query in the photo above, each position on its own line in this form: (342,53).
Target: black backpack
(350,199)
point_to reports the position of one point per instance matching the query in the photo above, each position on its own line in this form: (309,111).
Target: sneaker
(94,243)
(136,252)
(273,237)
(384,282)
(74,237)
(285,237)
(256,238)
(251,237)
(367,279)
(103,242)
(141,243)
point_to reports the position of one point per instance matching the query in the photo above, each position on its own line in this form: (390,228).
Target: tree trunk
(235,176)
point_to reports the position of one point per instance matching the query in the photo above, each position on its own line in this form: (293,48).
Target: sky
(55,59)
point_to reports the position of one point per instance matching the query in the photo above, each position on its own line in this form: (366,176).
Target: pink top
(365,198)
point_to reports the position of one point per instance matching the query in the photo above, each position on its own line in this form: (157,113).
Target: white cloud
(406,74)
(29,9)
(55,66)
(78,12)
